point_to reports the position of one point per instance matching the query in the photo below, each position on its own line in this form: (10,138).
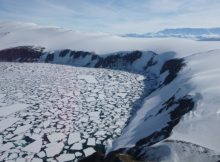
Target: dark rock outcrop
(119,59)
(176,109)
(21,54)
(173,66)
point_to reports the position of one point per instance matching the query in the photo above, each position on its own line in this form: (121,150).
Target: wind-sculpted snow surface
(61,112)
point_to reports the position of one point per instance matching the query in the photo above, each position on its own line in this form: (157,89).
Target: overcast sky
(114,16)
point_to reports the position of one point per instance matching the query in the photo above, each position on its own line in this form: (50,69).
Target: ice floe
(22,129)
(49,111)
(65,157)
(89,151)
(34,147)
(74,137)
(56,137)
(88,78)
(4,111)
(91,142)
(54,149)
(77,146)
(5,123)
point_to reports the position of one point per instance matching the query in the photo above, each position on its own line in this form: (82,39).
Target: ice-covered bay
(56,111)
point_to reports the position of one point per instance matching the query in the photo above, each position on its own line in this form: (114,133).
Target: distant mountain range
(202,34)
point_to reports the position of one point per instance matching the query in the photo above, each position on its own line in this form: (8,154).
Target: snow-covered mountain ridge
(178,120)
(201,34)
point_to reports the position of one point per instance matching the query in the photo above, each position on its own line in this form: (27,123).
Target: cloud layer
(114,16)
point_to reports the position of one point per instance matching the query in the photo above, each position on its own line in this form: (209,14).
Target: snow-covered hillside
(177,115)
(186,109)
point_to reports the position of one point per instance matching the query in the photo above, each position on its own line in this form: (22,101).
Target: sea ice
(36,160)
(4,124)
(34,147)
(100,133)
(6,146)
(77,146)
(94,114)
(89,151)
(56,137)
(22,129)
(88,78)
(91,142)
(5,111)
(54,149)
(73,138)
(2,95)
(65,157)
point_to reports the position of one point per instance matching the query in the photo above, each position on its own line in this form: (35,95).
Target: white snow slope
(198,79)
